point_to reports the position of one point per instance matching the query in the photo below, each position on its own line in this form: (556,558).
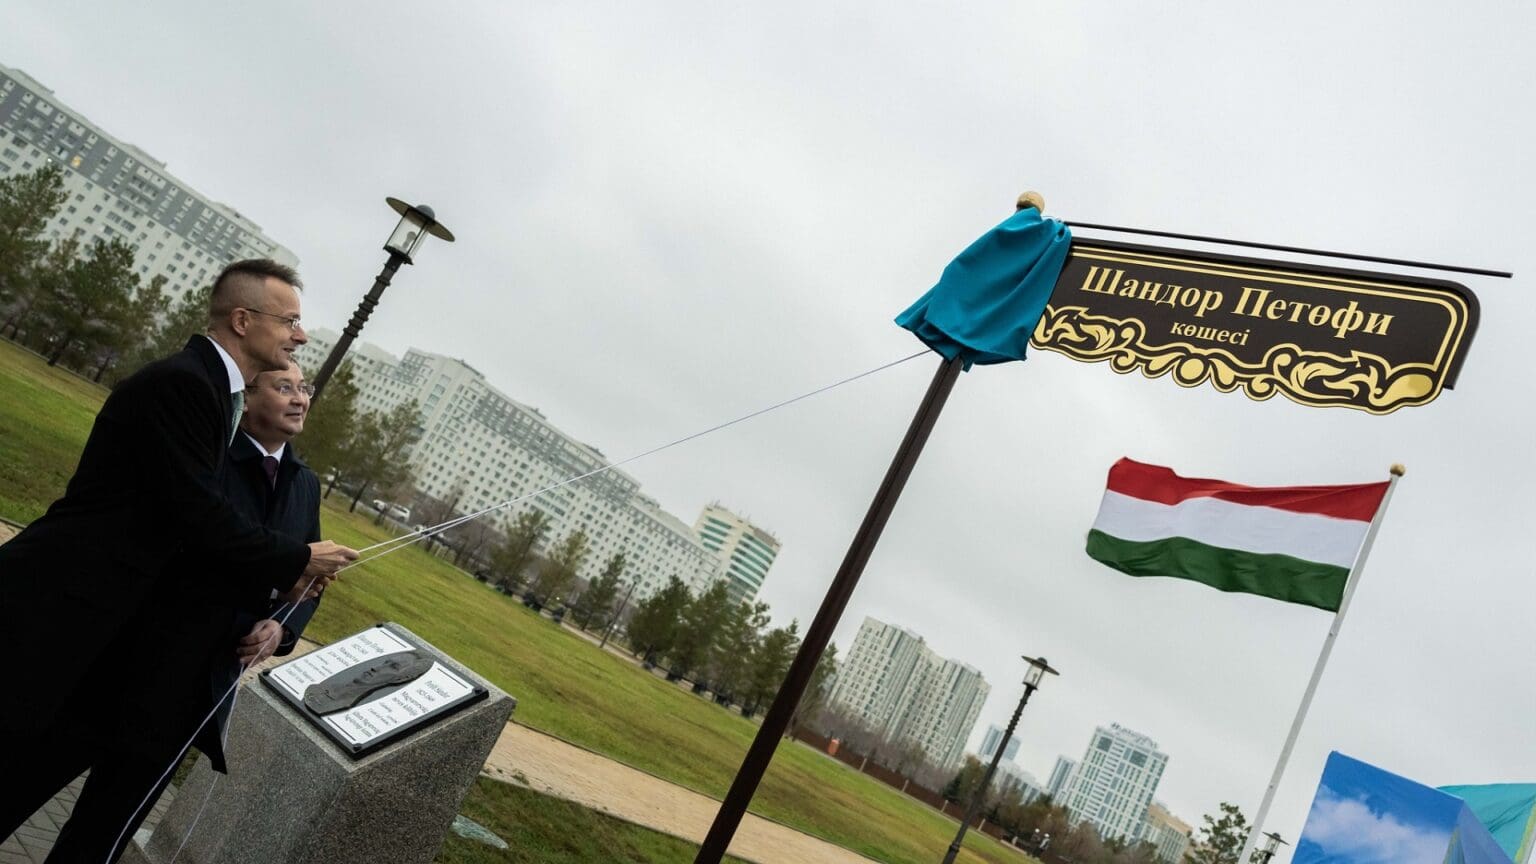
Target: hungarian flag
(1292,543)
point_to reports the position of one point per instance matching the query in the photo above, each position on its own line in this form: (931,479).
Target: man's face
(275,405)
(269,338)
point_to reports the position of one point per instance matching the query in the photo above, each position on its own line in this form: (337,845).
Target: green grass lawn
(544,830)
(564,685)
(45,416)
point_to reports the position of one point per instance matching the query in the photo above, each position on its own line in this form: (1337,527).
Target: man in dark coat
(208,631)
(77,584)
(268,481)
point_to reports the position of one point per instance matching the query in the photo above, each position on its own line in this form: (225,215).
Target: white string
(233,694)
(208,796)
(422,533)
(397,543)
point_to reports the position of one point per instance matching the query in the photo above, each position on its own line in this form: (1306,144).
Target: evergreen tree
(769,665)
(48,278)
(558,571)
(377,455)
(653,628)
(187,317)
(597,600)
(91,300)
(27,202)
(1220,839)
(523,540)
(141,323)
(730,663)
(331,427)
(702,621)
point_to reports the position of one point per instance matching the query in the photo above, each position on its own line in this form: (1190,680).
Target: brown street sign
(1319,336)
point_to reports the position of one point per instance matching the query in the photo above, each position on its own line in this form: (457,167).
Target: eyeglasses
(287,390)
(293,322)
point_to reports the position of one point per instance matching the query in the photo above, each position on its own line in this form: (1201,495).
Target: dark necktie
(269,465)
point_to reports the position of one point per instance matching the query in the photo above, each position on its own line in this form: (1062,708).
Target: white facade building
(1011,777)
(746,551)
(892,681)
(483,448)
(1114,783)
(990,741)
(1167,833)
(1061,772)
(117,191)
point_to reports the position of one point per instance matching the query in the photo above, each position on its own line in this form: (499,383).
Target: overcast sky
(673,214)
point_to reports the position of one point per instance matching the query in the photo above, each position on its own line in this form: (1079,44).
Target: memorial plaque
(385,714)
(1319,336)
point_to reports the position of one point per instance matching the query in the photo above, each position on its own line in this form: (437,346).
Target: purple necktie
(269,465)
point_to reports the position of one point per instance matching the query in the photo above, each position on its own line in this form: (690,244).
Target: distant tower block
(746,551)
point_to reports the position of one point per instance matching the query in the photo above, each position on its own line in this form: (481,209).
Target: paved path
(32,841)
(553,767)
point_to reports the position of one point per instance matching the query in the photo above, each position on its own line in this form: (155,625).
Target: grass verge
(544,830)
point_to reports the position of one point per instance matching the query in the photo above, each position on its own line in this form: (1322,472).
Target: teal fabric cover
(1508,810)
(989,299)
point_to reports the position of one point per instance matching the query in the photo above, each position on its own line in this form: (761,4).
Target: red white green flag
(1291,543)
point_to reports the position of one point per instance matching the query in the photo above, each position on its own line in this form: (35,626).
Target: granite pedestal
(292,795)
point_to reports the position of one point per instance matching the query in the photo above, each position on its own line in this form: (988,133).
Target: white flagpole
(1317,671)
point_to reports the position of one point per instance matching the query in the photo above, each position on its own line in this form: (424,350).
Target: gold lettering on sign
(1316,335)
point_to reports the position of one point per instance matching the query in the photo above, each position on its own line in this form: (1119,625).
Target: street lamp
(1271,849)
(416,222)
(1032,678)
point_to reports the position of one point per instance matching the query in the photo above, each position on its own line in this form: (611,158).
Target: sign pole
(776,721)
(1317,671)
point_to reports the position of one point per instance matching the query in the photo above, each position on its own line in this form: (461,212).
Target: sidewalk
(32,841)
(559,769)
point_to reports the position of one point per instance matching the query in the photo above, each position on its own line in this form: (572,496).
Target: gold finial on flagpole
(1397,469)
(1031,199)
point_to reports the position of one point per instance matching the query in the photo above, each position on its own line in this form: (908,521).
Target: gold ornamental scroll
(1318,336)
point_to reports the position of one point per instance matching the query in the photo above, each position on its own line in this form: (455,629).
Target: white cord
(397,543)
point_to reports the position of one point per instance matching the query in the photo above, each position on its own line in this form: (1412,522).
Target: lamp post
(416,222)
(1271,848)
(1037,671)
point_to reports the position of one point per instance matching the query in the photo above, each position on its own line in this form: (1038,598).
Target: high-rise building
(1114,783)
(896,685)
(1167,833)
(480,448)
(117,191)
(990,741)
(1011,777)
(1061,772)
(745,550)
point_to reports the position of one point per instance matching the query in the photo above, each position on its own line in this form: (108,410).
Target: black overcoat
(148,487)
(194,632)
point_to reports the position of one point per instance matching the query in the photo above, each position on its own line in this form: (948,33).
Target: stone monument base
(292,795)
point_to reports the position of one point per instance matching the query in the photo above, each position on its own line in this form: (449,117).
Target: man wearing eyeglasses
(77,585)
(208,631)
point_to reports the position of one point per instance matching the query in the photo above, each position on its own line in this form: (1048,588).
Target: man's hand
(302,590)
(325,558)
(259,644)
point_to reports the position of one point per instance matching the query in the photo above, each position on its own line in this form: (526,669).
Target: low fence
(899,782)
